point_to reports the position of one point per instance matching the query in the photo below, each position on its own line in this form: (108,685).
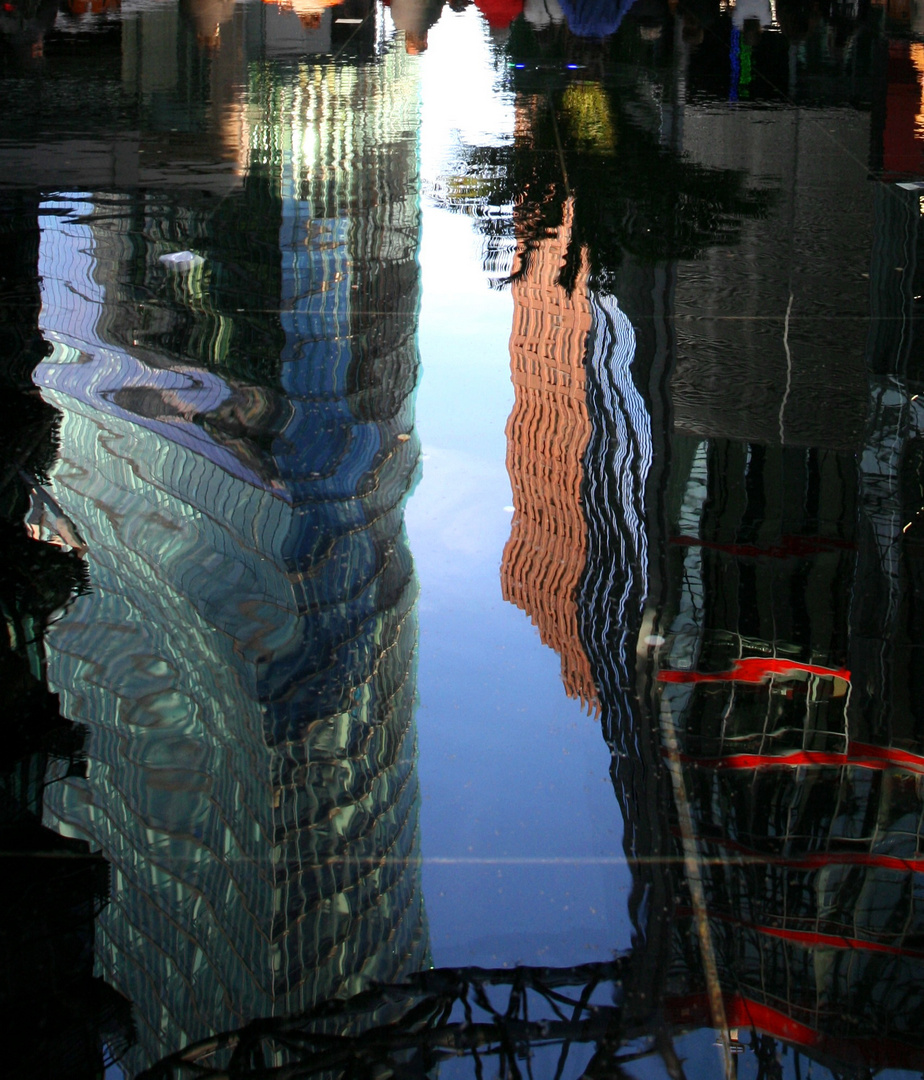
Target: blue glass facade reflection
(245,660)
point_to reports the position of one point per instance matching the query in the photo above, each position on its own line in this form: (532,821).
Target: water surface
(462,512)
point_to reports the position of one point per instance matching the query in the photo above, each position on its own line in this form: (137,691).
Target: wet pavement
(462,515)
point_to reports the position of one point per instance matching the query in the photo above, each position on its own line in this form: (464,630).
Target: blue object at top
(594,18)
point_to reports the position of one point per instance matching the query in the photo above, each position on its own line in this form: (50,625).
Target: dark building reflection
(53,887)
(783,691)
(235,379)
(748,600)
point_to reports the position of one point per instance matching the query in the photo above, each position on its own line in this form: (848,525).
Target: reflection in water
(245,661)
(746,610)
(547,433)
(52,886)
(716,473)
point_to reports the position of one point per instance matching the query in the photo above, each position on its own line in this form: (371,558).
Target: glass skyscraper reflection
(245,660)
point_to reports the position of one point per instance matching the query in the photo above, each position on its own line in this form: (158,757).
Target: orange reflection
(916,52)
(309,12)
(547,434)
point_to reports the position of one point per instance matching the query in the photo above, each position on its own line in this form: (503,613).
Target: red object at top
(500,13)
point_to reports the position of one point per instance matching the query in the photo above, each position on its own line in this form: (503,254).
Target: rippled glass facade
(245,660)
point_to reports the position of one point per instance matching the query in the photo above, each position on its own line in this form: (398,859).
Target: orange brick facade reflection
(547,434)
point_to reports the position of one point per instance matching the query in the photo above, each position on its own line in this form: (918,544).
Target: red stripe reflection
(858,755)
(789,547)
(753,669)
(742,1012)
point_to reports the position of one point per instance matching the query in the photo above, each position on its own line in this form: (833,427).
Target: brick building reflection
(246,660)
(547,434)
